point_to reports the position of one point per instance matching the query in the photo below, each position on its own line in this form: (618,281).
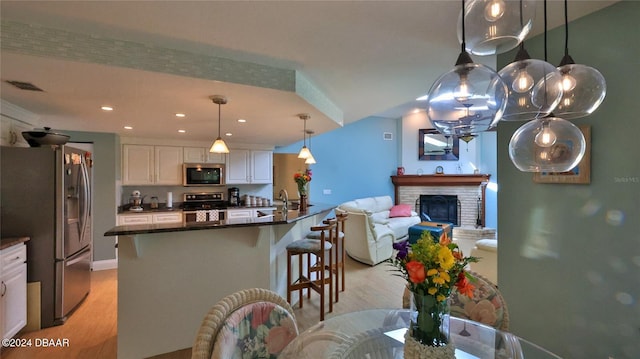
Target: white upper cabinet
(152,165)
(194,154)
(261,166)
(168,165)
(202,155)
(11,132)
(137,164)
(249,166)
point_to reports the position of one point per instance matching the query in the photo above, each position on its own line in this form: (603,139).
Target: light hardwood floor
(92,329)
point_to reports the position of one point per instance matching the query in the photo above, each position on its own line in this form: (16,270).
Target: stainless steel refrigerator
(46,195)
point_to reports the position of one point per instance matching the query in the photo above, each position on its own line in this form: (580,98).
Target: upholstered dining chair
(255,322)
(487,305)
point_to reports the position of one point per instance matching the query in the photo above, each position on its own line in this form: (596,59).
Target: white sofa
(369,232)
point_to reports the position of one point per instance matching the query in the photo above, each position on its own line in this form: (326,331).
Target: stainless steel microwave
(203,174)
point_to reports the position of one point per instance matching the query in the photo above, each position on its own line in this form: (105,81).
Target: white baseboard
(105,264)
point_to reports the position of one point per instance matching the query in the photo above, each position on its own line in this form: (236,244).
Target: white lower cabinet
(13,290)
(129,219)
(241,213)
(159,217)
(173,217)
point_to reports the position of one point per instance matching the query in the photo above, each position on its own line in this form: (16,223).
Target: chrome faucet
(284,196)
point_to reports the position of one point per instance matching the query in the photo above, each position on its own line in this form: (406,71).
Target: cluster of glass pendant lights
(473,98)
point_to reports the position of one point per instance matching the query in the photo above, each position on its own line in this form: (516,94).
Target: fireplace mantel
(440,180)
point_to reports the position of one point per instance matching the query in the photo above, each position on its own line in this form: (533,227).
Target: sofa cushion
(400,210)
(400,225)
(380,217)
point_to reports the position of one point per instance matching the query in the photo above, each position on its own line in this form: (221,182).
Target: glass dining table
(379,333)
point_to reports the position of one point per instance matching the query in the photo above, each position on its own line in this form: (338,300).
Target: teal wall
(569,255)
(106,171)
(353,161)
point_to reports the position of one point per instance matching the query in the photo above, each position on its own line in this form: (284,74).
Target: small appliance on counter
(136,201)
(234,196)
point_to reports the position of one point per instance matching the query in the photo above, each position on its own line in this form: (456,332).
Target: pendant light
(218,145)
(304,151)
(468,99)
(534,86)
(548,144)
(310,160)
(494,26)
(584,87)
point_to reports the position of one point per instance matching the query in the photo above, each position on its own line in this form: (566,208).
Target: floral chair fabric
(487,305)
(250,324)
(258,330)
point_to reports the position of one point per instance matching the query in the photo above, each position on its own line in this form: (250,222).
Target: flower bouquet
(302,178)
(432,269)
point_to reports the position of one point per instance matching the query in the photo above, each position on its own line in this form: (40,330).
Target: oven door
(195,174)
(204,216)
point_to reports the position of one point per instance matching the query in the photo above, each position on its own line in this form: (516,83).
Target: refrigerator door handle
(87,200)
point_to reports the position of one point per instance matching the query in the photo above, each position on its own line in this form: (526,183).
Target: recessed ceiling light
(128,128)
(180,115)
(228,134)
(242,120)
(106,108)
(182,131)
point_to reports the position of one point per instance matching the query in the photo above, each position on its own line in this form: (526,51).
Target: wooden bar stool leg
(289,277)
(300,291)
(309,274)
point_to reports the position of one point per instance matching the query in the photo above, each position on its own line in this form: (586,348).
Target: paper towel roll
(169,199)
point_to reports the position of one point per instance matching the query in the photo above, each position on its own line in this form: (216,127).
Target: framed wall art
(581,174)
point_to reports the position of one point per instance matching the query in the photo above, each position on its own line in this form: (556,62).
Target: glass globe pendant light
(468,99)
(218,145)
(496,26)
(534,86)
(584,87)
(548,144)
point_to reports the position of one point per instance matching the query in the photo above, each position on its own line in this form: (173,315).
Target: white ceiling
(367,58)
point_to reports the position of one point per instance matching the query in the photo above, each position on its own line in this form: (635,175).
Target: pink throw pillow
(400,210)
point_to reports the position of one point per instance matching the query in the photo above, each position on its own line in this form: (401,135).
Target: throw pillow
(400,210)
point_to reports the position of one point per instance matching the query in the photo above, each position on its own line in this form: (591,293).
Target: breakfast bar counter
(169,275)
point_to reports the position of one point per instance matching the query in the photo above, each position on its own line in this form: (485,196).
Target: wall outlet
(326,191)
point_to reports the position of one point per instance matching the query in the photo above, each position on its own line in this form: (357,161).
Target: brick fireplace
(470,192)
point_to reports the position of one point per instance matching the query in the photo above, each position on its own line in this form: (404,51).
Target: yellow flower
(440,298)
(432,272)
(445,258)
(438,280)
(445,276)
(432,290)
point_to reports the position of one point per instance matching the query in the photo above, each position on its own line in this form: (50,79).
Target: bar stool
(337,269)
(319,248)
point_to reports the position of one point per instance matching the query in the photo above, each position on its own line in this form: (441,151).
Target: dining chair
(256,323)
(487,305)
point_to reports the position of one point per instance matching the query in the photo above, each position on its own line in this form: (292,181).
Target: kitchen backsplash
(177,192)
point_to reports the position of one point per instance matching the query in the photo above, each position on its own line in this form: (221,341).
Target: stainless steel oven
(204,207)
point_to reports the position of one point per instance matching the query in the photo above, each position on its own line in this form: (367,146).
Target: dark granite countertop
(271,218)
(12,241)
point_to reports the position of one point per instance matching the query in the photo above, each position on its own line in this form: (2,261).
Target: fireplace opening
(439,208)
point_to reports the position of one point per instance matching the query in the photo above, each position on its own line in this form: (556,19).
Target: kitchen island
(169,275)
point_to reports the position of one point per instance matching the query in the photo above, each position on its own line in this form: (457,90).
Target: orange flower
(416,272)
(444,239)
(463,285)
